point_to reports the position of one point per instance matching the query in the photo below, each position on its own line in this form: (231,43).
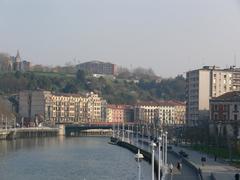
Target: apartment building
(52,108)
(204,84)
(98,67)
(146,112)
(119,113)
(160,112)
(179,113)
(225,115)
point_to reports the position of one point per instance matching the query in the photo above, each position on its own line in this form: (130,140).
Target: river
(60,158)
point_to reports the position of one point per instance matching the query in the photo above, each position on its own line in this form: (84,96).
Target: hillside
(114,91)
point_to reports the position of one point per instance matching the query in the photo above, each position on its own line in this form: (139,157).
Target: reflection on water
(58,158)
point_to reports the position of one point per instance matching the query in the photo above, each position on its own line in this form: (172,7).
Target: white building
(205,83)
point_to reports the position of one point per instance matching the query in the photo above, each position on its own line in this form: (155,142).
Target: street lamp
(166,134)
(159,157)
(142,135)
(138,158)
(123,131)
(132,135)
(118,129)
(113,131)
(128,134)
(137,135)
(153,154)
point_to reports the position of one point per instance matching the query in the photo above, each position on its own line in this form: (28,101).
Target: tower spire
(18,58)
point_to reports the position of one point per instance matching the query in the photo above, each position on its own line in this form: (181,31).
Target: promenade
(220,169)
(186,173)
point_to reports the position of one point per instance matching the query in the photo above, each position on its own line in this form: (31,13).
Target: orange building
(119,113)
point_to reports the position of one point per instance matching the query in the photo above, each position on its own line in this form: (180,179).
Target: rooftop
(161,103)
(229,96)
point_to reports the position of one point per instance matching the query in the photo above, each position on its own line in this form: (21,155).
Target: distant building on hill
(14,63)
(98,68)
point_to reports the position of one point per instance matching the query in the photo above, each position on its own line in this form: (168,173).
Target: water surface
(60,158)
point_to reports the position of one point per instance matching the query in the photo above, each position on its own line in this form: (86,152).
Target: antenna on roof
(235,60)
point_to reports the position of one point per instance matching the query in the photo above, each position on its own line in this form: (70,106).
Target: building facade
(98,67)
(204,84)
(225,115)
(119,113)
(180,113)
(52,108)
(160,113)
(7,113)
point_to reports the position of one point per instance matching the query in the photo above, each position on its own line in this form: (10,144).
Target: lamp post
(128,134)
(149,139)
(139,158)
(163,147)
(137,135)
(166,134)
(159,157)
(153,154)
(132,135)
(118,130)
(123,132)
(113,132)
(6,127)
(142,135)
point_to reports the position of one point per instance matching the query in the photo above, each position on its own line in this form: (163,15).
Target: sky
(169,36)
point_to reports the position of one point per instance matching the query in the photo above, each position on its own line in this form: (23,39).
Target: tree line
(113,90)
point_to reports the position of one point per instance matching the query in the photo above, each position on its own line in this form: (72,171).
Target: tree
(81,76)
(70,88)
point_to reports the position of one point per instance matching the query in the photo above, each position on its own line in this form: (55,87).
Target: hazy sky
(170,36)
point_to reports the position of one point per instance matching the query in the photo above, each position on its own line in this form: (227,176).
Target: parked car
(183,153)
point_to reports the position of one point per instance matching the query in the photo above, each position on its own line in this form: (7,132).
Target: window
(235,107)
(235,117)
(224,117)
(225,107)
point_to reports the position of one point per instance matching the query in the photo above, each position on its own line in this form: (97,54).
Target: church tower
(17,62)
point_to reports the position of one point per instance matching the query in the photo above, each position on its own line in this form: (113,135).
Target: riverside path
(219,169)
(186,173)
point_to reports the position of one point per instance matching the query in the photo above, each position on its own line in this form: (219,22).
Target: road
(220,169)
(186,173)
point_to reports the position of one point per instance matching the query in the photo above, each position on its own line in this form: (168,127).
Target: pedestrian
(179,166)
(161,173)
(171,168)
(215,157)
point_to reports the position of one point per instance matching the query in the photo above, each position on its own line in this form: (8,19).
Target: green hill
(113,90)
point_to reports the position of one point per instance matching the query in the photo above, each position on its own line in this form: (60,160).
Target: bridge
(86,129)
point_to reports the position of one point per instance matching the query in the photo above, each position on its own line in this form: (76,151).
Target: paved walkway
(185,174)
(221,170)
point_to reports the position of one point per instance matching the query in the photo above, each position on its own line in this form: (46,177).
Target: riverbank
(17,133)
